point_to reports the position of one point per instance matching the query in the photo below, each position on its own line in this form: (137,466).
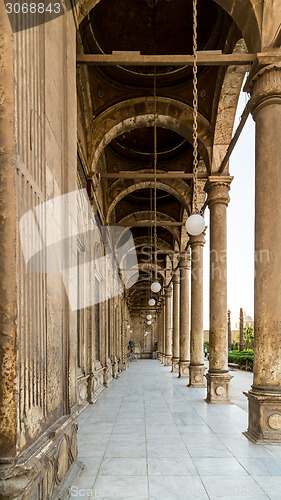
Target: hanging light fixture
(195,224)
(131,331)
(128,326)
(155,287)
(149,316)
(151,302)
(149,322)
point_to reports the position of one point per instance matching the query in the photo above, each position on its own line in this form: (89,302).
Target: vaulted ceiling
(153,27)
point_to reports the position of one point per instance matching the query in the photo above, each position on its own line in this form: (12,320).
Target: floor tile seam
(103,457)
(146,449)
(221,442)
(206,424)
(253,478)
(238,460)
(199,475)
(204,486)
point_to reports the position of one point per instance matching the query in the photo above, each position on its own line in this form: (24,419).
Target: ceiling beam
(148,224)
(150,176)
(204,58)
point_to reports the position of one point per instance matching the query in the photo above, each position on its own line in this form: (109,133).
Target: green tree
(249,337)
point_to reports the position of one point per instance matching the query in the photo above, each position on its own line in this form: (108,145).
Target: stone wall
(53,361)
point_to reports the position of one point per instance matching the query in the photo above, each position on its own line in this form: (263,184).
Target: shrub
(244,359)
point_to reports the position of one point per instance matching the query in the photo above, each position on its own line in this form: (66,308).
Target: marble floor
(149,436)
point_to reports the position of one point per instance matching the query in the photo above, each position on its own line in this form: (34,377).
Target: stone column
(163,330)
(196,368)
(241,330)
(184,266)
(265,395)
(218,377)
(176,322)
(168,330)
(160,327)
(229,329)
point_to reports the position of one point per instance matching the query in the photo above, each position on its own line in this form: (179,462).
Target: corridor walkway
(151,437)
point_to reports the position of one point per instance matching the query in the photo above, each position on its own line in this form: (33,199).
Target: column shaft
(218,377)
(160,328)
(176,322)
(168,330)
(184,267)
(229,329)
(265,395)
(163,331)
(196,368)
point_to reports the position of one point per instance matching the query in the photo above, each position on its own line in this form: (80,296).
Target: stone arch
(227,106)
(139,112)
(141,241)
(247,14)
(121,188)
(145,216)
(140,272)
(148,266)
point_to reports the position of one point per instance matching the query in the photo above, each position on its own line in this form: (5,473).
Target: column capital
(168,292)
(265,86)
(197,240)
(217,187)
(176,277)
(184,260)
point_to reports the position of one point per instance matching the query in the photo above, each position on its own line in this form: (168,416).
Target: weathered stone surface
(264,398)
(218,385)
(184,267)
(196,376)
(53,363)
(196,368)
(218,198)
(184,369)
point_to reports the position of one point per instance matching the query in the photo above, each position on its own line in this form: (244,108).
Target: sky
(240,225)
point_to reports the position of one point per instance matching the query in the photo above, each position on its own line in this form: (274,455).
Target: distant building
(248,321)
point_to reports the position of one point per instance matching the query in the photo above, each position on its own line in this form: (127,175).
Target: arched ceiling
(121,138)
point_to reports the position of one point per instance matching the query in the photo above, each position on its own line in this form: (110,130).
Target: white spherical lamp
(149,322)
(149,316)
(128,326)
(151,302)
(155,287)
(195,224)
(131,331)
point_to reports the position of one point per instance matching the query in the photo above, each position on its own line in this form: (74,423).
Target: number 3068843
(33,8)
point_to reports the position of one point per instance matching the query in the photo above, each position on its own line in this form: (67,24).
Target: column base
(168,360)
(264,417)
(196,376)
(218,385)
(175,365)
(184,369)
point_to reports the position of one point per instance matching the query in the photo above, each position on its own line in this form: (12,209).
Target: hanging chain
(195,108)
(155,167)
